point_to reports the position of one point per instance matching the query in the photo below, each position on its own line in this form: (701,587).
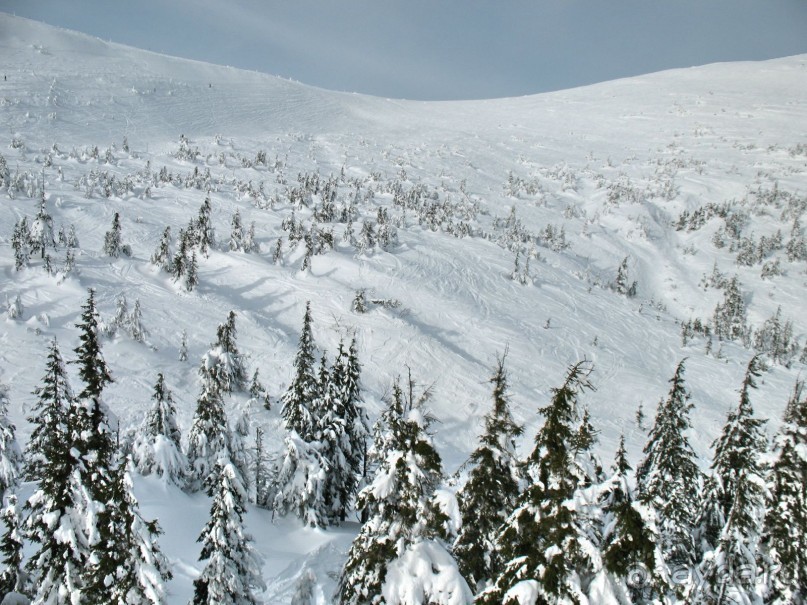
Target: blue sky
(442,49)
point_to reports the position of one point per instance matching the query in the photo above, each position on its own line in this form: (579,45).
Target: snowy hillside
(688,175)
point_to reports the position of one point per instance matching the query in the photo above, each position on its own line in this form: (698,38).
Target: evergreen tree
(127,566)
(11,460)
(209,436)
(785,526)
(183,347)
(729,317)
(668,477)
(258,392)
(403,540)
(629,544)
(223,362)
(12,578)
(20,243)
(112,238)
(192,275)
(545,543)
(135,324)
(205,235)
(89,431)
(583,443)
(232,572)
(162,257)
(490,494)
(236,233)
(41,235)
(250,243)
(156,448)
(300,481)
(304,388)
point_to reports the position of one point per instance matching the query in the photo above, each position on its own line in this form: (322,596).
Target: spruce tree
(629,543)
(12,578)
(11,460)
(346,384)
(41,236)
(205,235)
(737,490)
(112,238)
(304,388)
(785,526)
(156,448)
(668,477)
(545,543)
(232,571)
(89,431)
(300,482)
(223,362)
(490,494)
(236,233)
(162,257)
(209,436)
(127,566)
(404,538)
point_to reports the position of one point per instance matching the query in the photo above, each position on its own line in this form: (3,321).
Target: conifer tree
(209,436)
(136,329)
(11,460)
(112,238)
(156,448)
(629,544)
(205,235)
(403,539)
(300,481)
(545,544)
(162,257)
(236,233)
(304,389)
(41,235)
(668,477)
(250,243)
(223,362)
(89,431)
(785,527)
(12,578)
(127,566)
(734,496)
(232,571)
(490,494)
(191,273)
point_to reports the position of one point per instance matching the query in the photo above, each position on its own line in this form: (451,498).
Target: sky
(442,49)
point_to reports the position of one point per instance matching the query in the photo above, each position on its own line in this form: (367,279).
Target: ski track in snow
(715,131)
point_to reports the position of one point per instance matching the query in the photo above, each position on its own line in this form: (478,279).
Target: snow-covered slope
(612,165)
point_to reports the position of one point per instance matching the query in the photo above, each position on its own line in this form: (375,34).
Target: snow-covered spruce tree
(240,452)
(209,436)
(785,528)
(668,477)
(621,284)
(191,273)
(12,578)
(583,442)
(126,566)
(54,523)
(41,236)
(89,431)
(304,388)
(14,308)
(489,495)
(162,256)
(135,324)
(232,572)
(343,430)
(400,555)
(236,233)
(112,238)
(629,544)
(156,448)
(257,392)
(729,318)
(205,235)
(300,481)
(11,460)
(251,245)
(548,555)
(20,244)
(223,362)
(179,264)
(736,466)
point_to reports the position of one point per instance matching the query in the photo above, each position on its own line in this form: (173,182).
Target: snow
(673,141)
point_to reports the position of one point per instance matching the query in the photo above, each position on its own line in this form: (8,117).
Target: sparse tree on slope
(785,527)
(223,362)
(112,238)
(41,235)
(490,494)
(668,477)
(237,233)
(232,572)
(157,446)
(162,257)
(205,235)
(548,553)
(399,555)
(304,388)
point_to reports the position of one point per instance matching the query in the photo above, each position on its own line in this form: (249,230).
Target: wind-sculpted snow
(614,166)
